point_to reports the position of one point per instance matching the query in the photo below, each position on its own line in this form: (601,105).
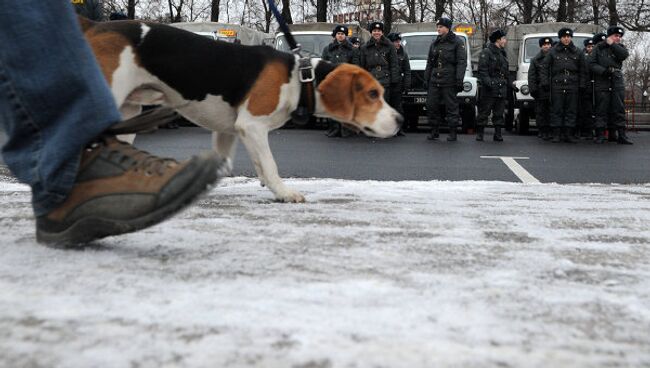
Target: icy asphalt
(365,274)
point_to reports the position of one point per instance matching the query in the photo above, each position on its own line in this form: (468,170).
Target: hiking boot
(120,189)
(497,135)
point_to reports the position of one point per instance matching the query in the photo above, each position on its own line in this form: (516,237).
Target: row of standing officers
(568,85)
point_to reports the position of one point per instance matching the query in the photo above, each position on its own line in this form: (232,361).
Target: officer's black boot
(548,135)
(611,135)
(600,136)
(452,135)
(567,136)
(479,133)
(335,130)
(556,135)
(497,135)
(433,134)
(622,137)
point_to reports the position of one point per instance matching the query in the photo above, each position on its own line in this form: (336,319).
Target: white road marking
(517,169)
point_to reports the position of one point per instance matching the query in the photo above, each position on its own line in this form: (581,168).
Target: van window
(310,43)
(532,46)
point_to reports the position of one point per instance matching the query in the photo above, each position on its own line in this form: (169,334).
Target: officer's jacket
(606,63)
(340,52)
(564,68)
(535,76)
(380,59)
(404,68)
(493,71)
(446,62)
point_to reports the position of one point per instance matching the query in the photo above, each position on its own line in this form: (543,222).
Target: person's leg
(602,114)
(556,114)
(484,108)
(618,116)
(453,114)
(570,115)
(55,107)
(433,112)
(498,111)
(55,99)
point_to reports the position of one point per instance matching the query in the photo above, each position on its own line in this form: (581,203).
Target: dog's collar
(306,104)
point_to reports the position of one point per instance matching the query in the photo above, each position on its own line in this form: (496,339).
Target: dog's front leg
(254,134)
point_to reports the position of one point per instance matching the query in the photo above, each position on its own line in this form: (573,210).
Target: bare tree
(321,10)
(439,8)
(388,15)
(214,12)
(286,11)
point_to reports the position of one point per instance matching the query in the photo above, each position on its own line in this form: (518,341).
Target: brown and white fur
(233,90)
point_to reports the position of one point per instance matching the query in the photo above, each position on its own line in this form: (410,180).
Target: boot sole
(88,229)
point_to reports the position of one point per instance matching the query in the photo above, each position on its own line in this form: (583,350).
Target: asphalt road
(308,153)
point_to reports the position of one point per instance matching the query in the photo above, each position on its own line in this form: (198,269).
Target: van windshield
(310,43)
(417,46)
(532,46)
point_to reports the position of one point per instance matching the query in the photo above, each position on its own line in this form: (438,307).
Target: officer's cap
(544,40)
(599,37)
(376,25)
(444,21)
(340,28)
(565,32)
(588,42)
(394,36)
(615,30)
(494,36)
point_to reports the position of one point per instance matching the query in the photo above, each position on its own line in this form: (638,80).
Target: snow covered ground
(365,274)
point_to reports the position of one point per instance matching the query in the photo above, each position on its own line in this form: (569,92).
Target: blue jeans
(53,97)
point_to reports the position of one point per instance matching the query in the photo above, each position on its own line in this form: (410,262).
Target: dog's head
(352,96)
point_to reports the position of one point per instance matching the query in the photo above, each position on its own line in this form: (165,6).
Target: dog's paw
(291,196)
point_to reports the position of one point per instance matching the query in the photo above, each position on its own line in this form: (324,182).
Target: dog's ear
(337,91)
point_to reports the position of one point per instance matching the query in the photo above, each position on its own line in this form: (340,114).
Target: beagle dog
(233,90)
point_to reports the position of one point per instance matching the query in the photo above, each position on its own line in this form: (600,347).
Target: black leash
(306,104)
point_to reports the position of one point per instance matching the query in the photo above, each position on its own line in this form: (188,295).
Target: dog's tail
(85,23)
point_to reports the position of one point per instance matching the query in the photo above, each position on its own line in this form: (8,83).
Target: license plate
(420,100)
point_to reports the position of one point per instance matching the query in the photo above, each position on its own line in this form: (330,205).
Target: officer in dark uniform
(493,78)
(444,75)
(405,74)
(606,63)
(541,96)
(355,41)
(586,117)
(337,52)
(564,76)
(378,56)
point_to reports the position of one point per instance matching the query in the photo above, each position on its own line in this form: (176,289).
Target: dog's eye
(373,94)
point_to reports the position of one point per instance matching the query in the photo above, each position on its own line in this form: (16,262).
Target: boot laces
(129,157)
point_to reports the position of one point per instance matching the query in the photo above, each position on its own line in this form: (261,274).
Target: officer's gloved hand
(515,88)
(459,86)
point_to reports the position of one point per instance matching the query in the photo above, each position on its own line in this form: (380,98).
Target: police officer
(337,52)
(493,78)
(444,73)
(564,75)
(541,96)
(378,56)
(606,62)
(586,117)
(405,75)
(355,41)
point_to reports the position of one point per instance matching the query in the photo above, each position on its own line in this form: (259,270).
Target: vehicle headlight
(467,86)
(524,89)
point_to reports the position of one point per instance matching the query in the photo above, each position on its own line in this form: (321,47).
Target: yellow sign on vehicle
(468,30)
(227,32)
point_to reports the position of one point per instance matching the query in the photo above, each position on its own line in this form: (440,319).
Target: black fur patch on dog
(196,66)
